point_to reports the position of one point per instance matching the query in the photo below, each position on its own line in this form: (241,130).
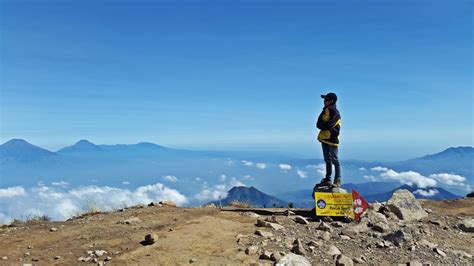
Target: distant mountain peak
(82,145)
(251,195)
(22,150)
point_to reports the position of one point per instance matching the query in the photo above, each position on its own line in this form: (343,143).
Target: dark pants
(330,157)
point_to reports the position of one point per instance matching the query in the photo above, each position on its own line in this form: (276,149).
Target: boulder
(332,250)
(274,226)
(372,217)
(381,227)
(298,248)
(405,206)
(292,259)
(324,227)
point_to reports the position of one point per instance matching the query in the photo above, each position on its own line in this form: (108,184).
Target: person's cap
(330,96)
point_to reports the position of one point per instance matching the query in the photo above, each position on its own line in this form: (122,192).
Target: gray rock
(100,253)
(373,217)
(359,260)
(298,248)
(251,250)
(342,260)
(397,238)
(337,224)
(436,222)
(266,255)
(301,220)
(375,206)
(291,259)
(414,263)
(4,258)
(405,206)
(54,229)
(324,227)
(344,237)
(276,256)
(325,235)
(332,250)
(381,227)
(467,225)
(263,233)
(462,254)
(313,243)
(274,226)
(439,252)
(150,239)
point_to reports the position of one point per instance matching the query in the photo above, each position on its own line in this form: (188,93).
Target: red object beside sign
(360,204)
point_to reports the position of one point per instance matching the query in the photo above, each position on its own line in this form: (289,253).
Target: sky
(239,75)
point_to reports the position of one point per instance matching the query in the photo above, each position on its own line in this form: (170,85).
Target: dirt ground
(202,236)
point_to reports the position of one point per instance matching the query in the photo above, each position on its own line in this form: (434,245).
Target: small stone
(426,243)
(131,220)
(412,248)
(342,260)
(300,220)
(440,252)
(150,239)
(325,236)
(27,254)
(288,213)
(100,253)
(332,250)
(4,258)
(95,260)
(313,243)
(381,227)
(414,263)
(263,233)
(343,237)
(397,237)
(167,203)
(35,259)
(57,257)
(436,222)
(324,227)
(30,247)
(193,260)
(276,257)
(108,258)
(467,225)
(359,260)
(293,259)
(462,254)
(151,204)
(54,229)
(251,250)
(298,248)
(337,224)
(266,255)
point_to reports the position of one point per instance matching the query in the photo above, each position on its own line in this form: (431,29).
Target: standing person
(329,122)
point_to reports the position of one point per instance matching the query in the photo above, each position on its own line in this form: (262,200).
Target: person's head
(330,98)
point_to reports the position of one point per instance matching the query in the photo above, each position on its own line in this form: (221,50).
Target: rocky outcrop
(404,205)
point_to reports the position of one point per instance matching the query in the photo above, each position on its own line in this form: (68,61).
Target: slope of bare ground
(206,236)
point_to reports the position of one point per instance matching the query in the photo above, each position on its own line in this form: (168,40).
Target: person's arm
(320,123)
(334,117)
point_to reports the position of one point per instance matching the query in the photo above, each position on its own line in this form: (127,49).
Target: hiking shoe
(325,182)
(337,183)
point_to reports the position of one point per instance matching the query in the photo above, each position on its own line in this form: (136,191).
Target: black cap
(330,96)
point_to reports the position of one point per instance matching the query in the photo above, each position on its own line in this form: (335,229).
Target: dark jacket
(329,122)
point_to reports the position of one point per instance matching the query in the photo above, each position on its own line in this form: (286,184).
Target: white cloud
(285,167)
(236,183)
(261,165)
(216,192)
(60,184)
(230,162)
(429,193)
(301,174)
(222,178)
(170,178)
(370,177)
(409,178)
(247,163)
(11,192)
(449,179)
(197,179)
(125,183)
(362,169)
(379,168)
(60,204)
(248,177)
(320,168)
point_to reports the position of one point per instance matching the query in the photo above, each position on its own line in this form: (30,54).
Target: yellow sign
(333,204)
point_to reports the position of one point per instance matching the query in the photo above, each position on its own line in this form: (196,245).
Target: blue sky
(239,75)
